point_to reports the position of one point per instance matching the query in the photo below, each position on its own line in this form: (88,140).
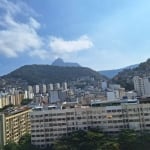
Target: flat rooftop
(12,111)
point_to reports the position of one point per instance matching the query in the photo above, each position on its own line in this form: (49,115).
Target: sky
(100,34)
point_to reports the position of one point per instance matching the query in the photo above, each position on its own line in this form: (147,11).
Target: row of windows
(42,140)
(90,116)
(109,111)
(52,114)
(46,130)
(58,129)
(111,119)
(119,126)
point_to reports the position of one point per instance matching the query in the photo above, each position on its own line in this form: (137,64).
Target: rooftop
(15,110)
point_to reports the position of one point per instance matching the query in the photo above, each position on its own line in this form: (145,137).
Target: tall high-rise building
(30,88)
(50,87)
(64,86)
(43,89)
(54,96)
(142,86)
(57,86)
(36,89)
(146,81)
(138,85)
(104,85)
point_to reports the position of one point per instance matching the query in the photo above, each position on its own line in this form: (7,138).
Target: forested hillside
(34,74)
(125,78)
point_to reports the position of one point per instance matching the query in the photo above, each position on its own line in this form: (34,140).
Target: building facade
(139,85)
(11,99)
(13,125)
(49,125)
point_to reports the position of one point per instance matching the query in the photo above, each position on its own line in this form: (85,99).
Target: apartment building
(142,86)
(146,81)
(138,85)
(49,125)
(8,99)
(4,100)
(14,124)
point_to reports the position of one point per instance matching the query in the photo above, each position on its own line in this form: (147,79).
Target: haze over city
(98,34)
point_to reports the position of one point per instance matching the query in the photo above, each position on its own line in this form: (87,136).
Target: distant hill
(34,74)
(61,63)
(112,73)
(125,77)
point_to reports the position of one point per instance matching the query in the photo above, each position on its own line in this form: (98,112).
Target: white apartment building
(36,89)
(64,85)
(115,94)
(142,86)
(111,96)
(30,88)
(54,96)
(104,85)
(49,125)
(146,81)
(43,88)
(138,85)
(50,87)
(28,94)
(57,86)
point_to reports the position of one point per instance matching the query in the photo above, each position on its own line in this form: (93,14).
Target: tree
(11,146)
(25,143)
(26,101)
(127,139)
(109,145)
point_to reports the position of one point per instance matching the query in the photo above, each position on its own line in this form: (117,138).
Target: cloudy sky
(100,34)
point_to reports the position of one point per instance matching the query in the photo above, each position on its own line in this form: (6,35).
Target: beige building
(14,124)
(14,99)
(49,125)
(4,100)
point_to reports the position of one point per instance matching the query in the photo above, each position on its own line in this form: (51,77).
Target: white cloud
(34,23)
(9,7)
(21,35)
(17,37)
(40,53)
(15,8)
(60,46)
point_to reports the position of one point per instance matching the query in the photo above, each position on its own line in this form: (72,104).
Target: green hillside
(125,78)
(35,74)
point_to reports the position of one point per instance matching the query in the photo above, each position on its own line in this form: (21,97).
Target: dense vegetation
(23,144)
(125,78)
(35,74)
(92,140)
(26,101)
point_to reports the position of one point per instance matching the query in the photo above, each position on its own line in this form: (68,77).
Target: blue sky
(100,34)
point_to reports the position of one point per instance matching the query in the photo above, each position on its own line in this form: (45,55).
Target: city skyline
(101,35)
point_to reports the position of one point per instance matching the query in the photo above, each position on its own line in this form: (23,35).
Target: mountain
(125,77)
(60,62)
(112,73)
(35,74)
